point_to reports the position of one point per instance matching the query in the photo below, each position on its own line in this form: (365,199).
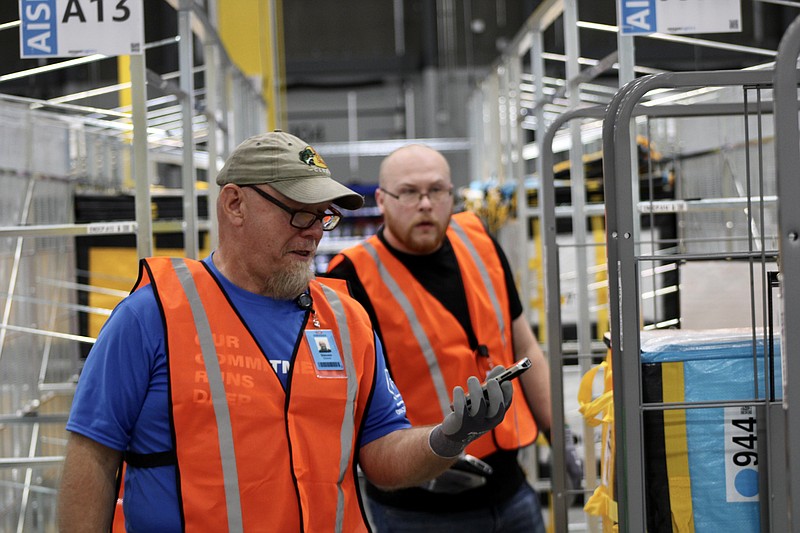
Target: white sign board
(71,28)
(680,16)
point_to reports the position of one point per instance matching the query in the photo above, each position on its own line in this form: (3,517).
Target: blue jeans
(521,513)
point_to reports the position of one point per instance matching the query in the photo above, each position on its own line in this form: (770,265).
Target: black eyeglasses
(411,197)
(302,219)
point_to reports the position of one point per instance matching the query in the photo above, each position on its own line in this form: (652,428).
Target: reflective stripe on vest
(442,393)
(348,424)
(487,282)
(218,400)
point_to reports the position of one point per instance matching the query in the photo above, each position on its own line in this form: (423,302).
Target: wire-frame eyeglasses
(413,197)
(302,219)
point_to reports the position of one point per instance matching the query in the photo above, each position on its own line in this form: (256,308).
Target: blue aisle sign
(637,16)
(679,16)
(72,28)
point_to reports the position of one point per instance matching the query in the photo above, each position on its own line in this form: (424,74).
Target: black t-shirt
(439,274)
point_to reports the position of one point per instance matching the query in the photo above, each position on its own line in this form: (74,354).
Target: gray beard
(288,283)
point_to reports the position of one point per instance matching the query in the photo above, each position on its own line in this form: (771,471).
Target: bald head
(412,158)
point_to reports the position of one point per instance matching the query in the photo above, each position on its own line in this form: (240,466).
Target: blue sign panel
(38,31)
(637,16)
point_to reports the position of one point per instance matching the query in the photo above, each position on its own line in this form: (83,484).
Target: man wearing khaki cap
(239,391)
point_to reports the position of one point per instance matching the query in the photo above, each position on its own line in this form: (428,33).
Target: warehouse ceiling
(358,42)
(366,41)
(362,41)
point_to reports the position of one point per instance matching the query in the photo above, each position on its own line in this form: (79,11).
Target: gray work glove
(573,461)
(464,425)
(573,464)
(454,482)
(467,473)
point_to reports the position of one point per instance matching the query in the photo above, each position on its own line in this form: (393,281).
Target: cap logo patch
(310,157)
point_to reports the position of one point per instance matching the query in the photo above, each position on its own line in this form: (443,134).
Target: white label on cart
(741,454)
(680,16)
(102,228)
(664,206)
(74,28)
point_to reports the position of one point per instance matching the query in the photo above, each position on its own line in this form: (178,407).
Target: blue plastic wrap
(720,365)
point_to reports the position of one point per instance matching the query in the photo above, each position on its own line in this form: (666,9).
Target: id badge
(327,360)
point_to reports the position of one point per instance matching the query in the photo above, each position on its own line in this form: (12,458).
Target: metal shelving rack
(628,256)
(71,145)
(553,246)
(518,96)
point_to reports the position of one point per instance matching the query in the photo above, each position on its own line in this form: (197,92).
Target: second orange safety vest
(427,348)
(251,456)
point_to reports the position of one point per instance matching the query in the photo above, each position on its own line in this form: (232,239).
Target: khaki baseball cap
(290,166)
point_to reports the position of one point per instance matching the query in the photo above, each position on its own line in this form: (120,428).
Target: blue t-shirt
(121,397)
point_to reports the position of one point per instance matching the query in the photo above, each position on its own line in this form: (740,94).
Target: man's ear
(379,199)
(232,205)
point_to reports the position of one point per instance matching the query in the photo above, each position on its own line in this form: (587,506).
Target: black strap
(118,484)
(151,460)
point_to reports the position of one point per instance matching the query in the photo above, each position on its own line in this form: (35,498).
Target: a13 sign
(72,28)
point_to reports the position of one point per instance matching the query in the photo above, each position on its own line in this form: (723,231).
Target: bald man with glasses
(441,295)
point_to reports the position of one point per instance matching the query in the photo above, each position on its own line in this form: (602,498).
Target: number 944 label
(741,454)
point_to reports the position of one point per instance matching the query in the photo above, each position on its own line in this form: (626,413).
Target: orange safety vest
(251,456)
(427,348)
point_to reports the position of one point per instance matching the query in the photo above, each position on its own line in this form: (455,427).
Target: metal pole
(186,60)
(578,198)
(144,233)
(352,128)
(787,157)
(537,69)
(212,89)
(629,483)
